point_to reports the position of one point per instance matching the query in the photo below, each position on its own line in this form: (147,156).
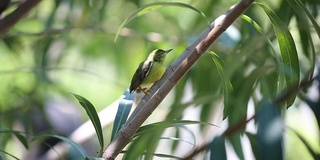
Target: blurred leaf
(288,52)
(304,30)
(139,144)
(159,155)
(76,146)
(236,144)
(236,107)
(153,6)
(92,113)
(259,29)
(145,143)
(174,139)
(22,139)
(314,154)
(4,5)
(270,131)
(314,105)
(298,7)
(124,108)
(254,145)
(220,65)
(7,153)
(18,134)
(176,123)
(285,12)
(217,149)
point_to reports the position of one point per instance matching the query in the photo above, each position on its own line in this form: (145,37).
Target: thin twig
(10,20)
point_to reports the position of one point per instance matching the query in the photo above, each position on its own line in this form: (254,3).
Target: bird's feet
(145,90)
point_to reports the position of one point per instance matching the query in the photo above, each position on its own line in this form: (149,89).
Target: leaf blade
(124,109)
(92,114)
(288,51)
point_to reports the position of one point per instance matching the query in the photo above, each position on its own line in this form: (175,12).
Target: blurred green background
(63,47)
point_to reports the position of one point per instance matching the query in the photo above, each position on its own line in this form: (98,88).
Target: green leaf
(218,149)
(220,65)
(124,108)
(175,123)
(236,108)
(22,139)
(92,113)
(314,154)
(304,30)
(254,144)
(314,105)
(76,146)
(236,144)
(288,52)
(298,6)
(270,131)
(153,6)
(18,134)
(259,29)
(7,153)
(159,155)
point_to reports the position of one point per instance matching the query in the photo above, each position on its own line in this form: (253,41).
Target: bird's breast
(156,72)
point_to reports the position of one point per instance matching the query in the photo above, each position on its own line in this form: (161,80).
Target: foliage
(261,69)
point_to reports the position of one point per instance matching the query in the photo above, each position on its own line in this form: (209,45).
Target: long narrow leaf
(174,123)
(7,153)
(217,148)
(298,6)
(124,108)
(288,51)
(76,146)
(304,29)
(18,134)
(235,140)
(92,113)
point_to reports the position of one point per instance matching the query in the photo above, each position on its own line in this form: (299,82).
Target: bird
(149,71)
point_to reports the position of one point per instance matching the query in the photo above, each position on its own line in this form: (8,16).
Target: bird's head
(158,55)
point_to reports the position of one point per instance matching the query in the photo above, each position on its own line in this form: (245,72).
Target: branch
(173,74)
(10,20)
(305,83)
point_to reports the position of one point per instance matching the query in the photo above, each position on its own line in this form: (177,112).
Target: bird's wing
(140,74)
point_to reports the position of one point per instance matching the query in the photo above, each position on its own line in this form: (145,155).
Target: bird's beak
(169,50)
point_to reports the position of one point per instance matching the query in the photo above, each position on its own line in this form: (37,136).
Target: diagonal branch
(173,74)
(10,20)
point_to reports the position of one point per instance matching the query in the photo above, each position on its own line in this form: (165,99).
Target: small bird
(149,71)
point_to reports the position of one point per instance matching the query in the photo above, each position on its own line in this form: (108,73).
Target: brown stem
(10,20)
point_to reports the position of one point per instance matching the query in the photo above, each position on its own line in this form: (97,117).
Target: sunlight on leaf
(314,154)
(7,153)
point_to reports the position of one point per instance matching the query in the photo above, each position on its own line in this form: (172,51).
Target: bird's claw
(145,90)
